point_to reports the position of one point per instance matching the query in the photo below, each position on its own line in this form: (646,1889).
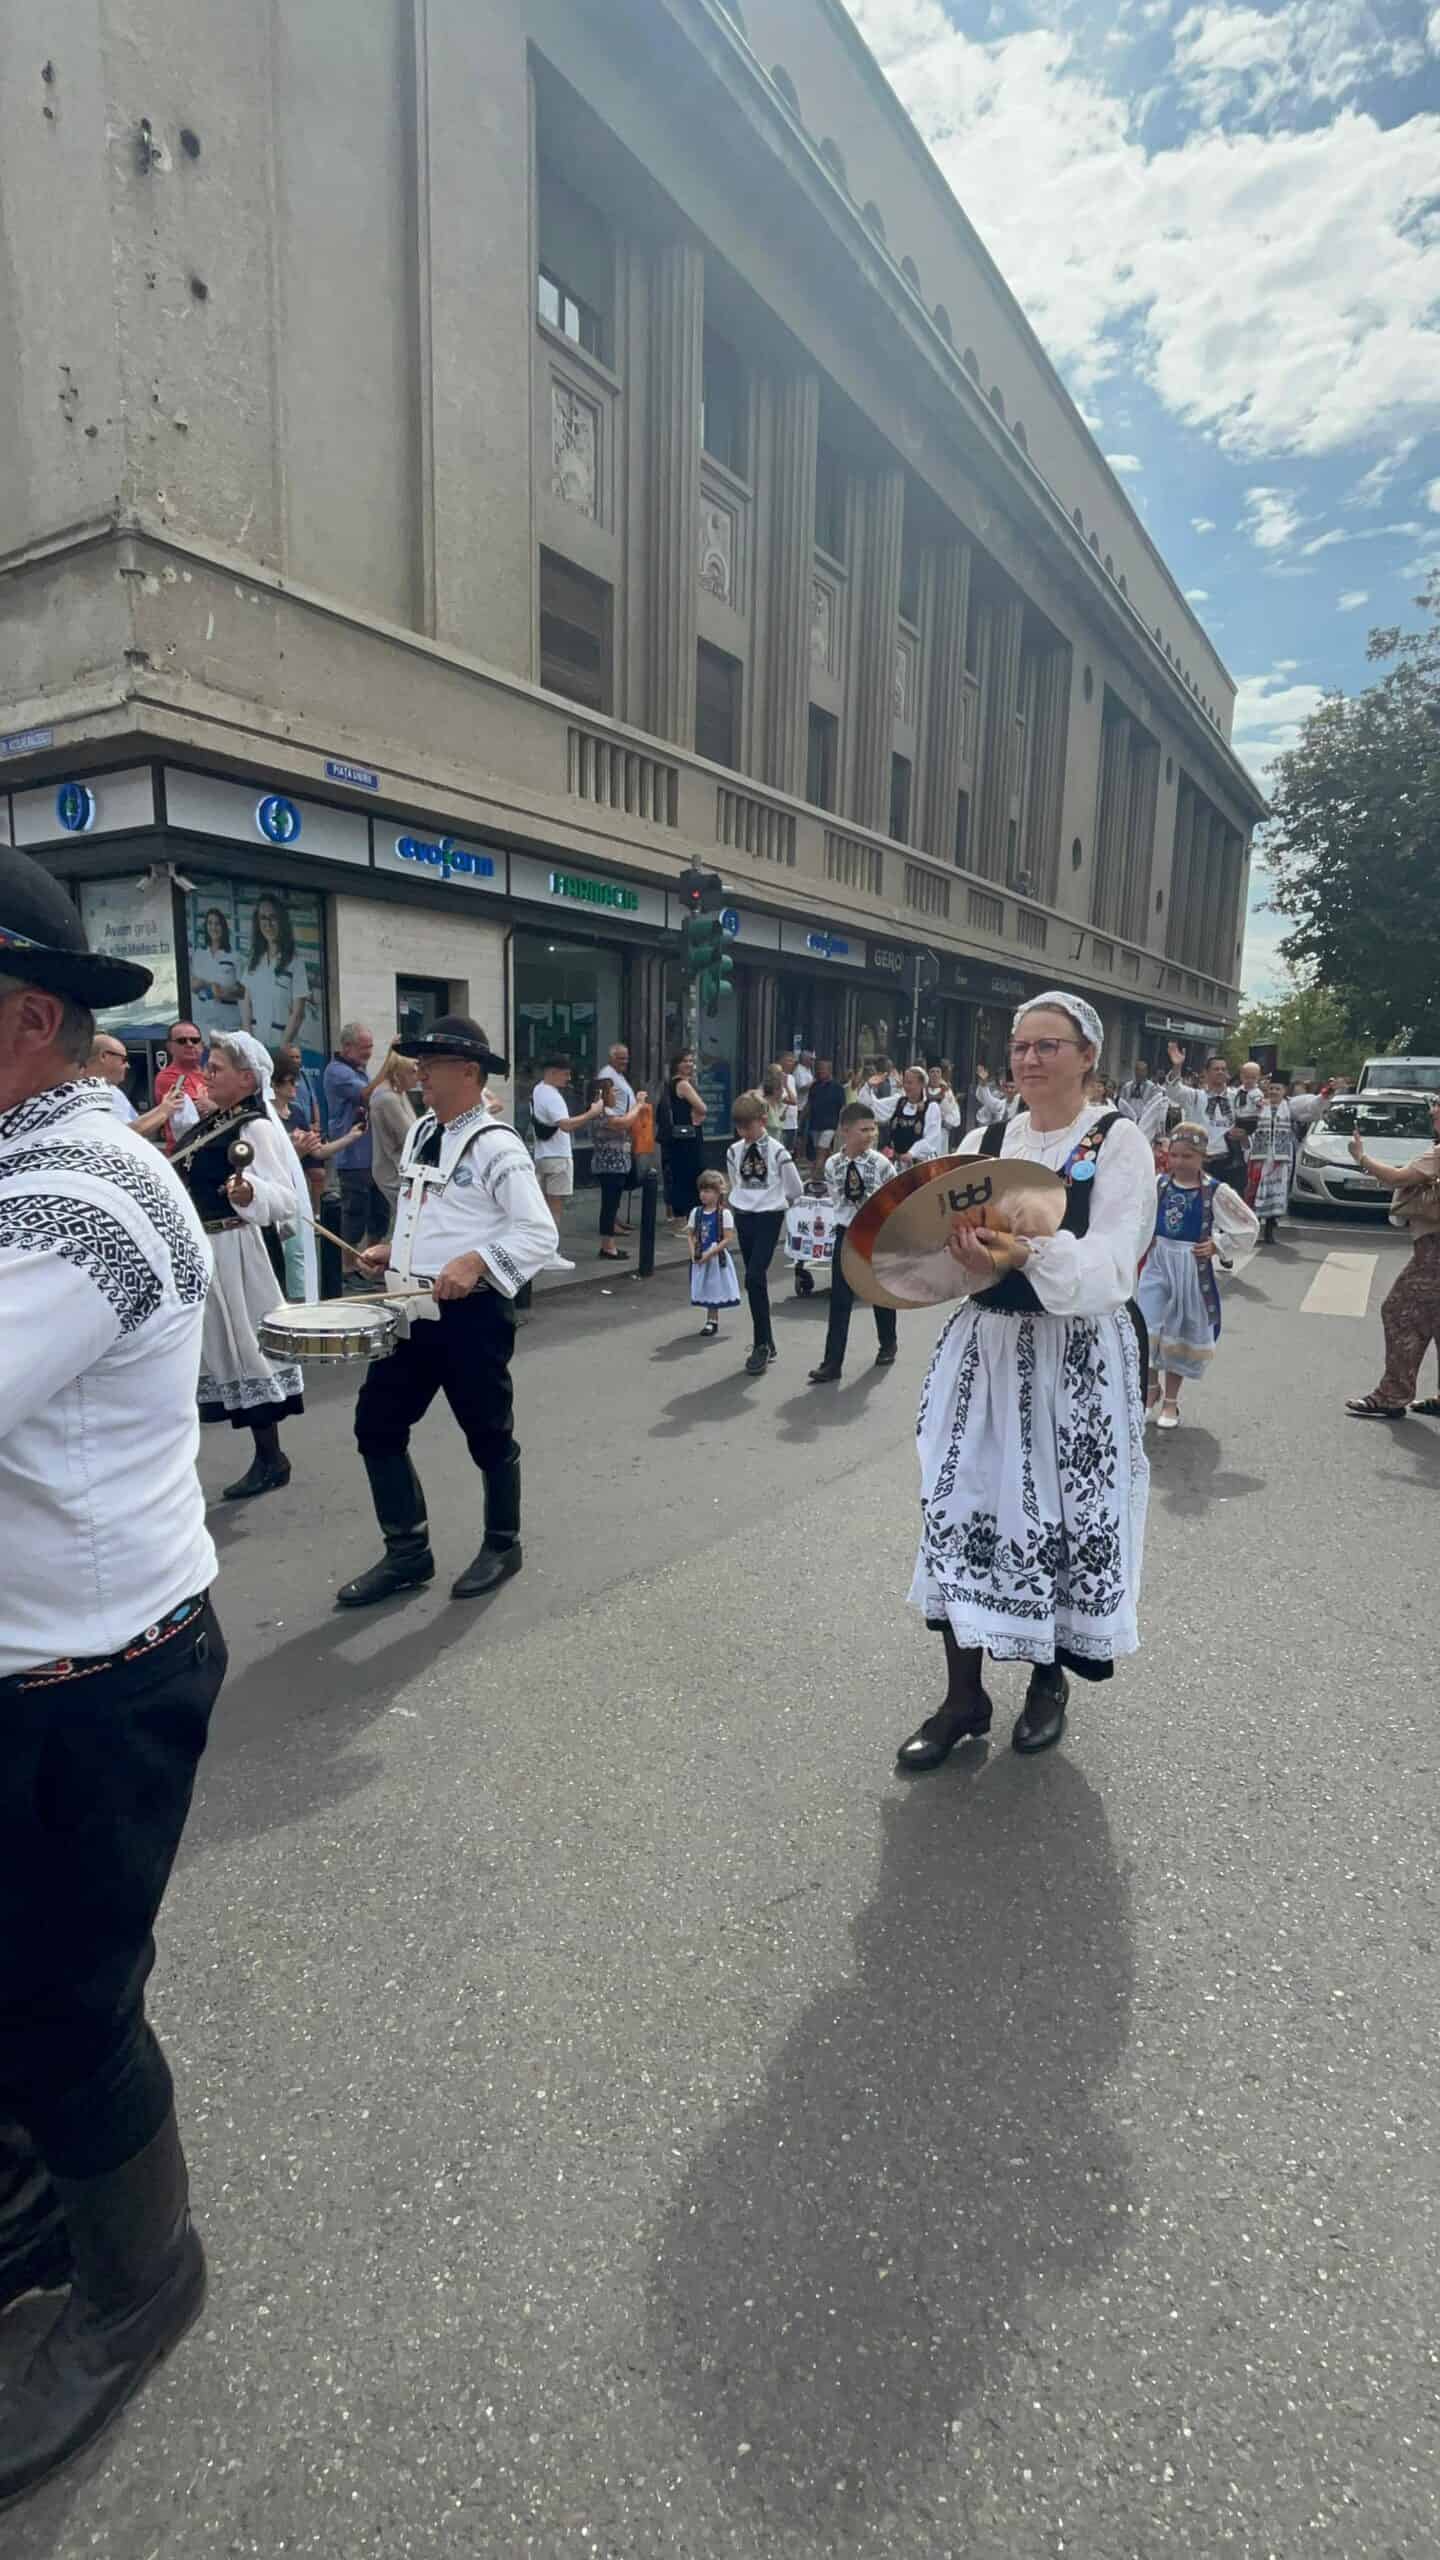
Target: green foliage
(1309,1026)
(1354,844)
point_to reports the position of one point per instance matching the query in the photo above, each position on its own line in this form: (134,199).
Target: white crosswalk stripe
(1341,1286)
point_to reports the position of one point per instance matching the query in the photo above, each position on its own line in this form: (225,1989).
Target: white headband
(1084,1016)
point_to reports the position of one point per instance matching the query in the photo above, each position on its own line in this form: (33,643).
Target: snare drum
(329,1330)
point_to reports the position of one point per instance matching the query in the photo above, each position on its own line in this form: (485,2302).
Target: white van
(1400,1075)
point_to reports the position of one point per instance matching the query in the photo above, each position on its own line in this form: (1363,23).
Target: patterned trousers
(1411,1317)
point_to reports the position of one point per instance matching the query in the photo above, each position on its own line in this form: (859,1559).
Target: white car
(1400,1075)
(1395,1127)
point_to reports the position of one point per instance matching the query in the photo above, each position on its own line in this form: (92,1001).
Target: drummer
(1032,1461)
(472,1221)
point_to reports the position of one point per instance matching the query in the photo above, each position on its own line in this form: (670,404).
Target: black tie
(752,1164)
(854,1182)
(428,1151)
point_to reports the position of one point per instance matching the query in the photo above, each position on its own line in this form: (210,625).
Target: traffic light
(703,955)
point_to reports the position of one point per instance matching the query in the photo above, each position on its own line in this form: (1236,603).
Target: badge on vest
(462,1177)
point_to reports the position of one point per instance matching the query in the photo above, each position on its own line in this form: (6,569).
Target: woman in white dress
(276,985)
(241,1211)
(1031,1432)
(215,976)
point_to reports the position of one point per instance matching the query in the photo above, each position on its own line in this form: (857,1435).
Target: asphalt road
(625,2119)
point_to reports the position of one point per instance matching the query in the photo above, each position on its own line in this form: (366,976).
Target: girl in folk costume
(243,1209)
(1200,1225)
(1031,1432)
(713,1283)
(1272,1149)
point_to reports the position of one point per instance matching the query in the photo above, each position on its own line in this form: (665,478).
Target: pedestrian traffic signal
(702,931)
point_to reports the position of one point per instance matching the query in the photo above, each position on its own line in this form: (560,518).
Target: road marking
(1341,1286)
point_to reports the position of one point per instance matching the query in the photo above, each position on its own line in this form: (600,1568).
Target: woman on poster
(276,988)
(1033,1475)
(215,975)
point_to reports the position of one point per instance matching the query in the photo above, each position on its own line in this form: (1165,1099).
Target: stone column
(995,761)
(947,769)
(876,612)
(1177,922)
(792,562)
(1049,712)
(1110,812)
(677,328)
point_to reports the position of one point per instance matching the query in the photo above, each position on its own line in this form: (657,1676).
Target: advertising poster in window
(257,964)
(134,919)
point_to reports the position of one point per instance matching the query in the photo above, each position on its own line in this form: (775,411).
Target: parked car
(1400,1075)
(1395,1128)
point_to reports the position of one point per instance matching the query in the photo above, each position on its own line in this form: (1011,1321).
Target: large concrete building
(462,460)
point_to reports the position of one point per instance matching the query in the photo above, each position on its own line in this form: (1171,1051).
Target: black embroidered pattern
(91,1238)
(134,1178)
(59,1102)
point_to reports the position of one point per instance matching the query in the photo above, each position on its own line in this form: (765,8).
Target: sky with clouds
(1224,224)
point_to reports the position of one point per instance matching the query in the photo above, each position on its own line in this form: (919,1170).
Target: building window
(829,501)
(575,618)
(821,758)
(900,799)
(723,404)
(911,556)
(574,286)
(962,828)
(717,705)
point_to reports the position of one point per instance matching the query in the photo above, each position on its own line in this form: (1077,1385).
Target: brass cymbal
(897,1249)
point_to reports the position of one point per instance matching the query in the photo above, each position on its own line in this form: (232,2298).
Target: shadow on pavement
(715,1403)
(1185,1471)
(860,2253)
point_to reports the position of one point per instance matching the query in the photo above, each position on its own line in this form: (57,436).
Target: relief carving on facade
(574,449)
(822,625)
(717,550)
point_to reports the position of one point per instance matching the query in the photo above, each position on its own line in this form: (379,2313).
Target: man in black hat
(472,1221)
(110,1663)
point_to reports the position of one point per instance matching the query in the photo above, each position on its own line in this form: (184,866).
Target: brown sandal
(1371,1408)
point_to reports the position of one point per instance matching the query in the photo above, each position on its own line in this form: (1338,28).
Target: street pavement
(627,2119)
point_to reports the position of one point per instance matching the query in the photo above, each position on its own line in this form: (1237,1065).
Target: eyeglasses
(1044,1050)
(186,1040)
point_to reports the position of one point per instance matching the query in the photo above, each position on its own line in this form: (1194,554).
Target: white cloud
(1197,595)
(1271,518)
(1275,289)
(1269,713)
(1373,486)
(1206,524)
(1286,666)
(1358,533)
(1352,599)
(1124,462)
(1323,542)
(1432,494)
(1238,63)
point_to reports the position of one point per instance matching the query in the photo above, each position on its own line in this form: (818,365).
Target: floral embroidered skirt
(1033,1487)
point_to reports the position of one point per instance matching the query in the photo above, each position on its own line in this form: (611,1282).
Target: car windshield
(1393,1118)
(1421,1075)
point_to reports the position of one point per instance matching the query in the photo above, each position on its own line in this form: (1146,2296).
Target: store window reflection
(568,1002)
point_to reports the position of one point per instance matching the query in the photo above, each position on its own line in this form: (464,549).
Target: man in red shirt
(187,1050)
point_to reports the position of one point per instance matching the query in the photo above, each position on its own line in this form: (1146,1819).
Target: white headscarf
(1084,1016)
(256,1059)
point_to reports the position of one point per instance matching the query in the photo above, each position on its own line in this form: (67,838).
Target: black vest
(1012,1291)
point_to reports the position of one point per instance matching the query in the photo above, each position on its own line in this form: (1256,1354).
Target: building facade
(466,459)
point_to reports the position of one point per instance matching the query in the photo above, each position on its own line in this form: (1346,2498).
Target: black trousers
(842,1302)
(757,1232)
(613,1187)
(464,1354)
(96,1775)
(364,1210)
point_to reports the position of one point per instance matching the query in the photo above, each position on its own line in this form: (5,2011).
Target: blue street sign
(24,742)
(358,776)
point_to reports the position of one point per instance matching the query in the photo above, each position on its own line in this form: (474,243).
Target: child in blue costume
(1200,1225)
(713,1284)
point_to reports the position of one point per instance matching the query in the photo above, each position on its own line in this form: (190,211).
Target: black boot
(34,2243)
(964,1717)
(268,1469)
(1267,1231)
(1041,1720)
(139,2282)
(501,1554)
(400,1509)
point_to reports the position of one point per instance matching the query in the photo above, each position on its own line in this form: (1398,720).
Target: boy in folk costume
(763,1183)
(713,1283)
(1272,1154)
(856,1170)
(1200,1226)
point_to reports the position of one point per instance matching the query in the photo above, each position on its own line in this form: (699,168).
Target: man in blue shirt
(364,1210)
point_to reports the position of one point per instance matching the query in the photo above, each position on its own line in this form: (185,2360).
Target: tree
(1354,843)
(1309,1026)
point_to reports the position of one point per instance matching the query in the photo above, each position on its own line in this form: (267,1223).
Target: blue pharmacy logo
(278,819)
(75,808)
(828,946)
(730,921)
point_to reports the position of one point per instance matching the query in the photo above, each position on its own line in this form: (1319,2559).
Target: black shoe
(885,1356)
(827,1375)
(758,1362)
(937,1736)
(709,1331)
(139,2282)
(263,1475)
(1041,1720)
(770,1352)
(397,1570)
(620,1254)
(34,2243)
(490,1568)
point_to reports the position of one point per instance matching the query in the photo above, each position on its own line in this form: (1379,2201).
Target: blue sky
(1224,223)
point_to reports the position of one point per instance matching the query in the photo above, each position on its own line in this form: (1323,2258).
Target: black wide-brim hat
(43,941)
(453,1035)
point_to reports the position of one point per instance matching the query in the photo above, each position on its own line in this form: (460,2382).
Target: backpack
(664,1119)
